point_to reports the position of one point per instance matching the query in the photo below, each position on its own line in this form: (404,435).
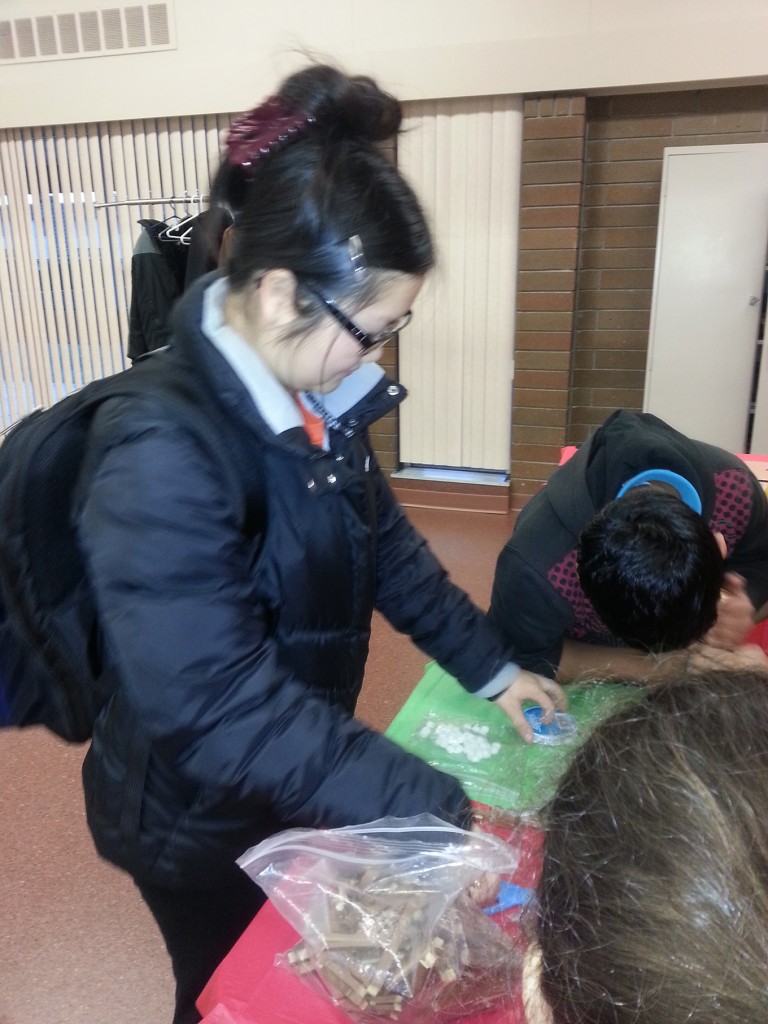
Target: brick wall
(552,179)
(626,137)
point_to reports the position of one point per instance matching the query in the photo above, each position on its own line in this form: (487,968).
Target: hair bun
(343,105)
(303,174)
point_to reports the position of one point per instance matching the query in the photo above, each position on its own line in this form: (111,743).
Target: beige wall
(231,52)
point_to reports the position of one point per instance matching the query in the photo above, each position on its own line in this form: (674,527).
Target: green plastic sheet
(517,776)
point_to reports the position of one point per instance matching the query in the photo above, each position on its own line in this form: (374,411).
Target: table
(249,989)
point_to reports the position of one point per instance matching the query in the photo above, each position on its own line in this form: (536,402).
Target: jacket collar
(274,403)
(200,333)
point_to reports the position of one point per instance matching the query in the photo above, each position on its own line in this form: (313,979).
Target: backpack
(49,636)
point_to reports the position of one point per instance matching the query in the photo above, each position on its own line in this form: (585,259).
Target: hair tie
(261,131)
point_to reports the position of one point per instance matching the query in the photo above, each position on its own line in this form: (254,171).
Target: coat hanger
(181,231)
(173,232)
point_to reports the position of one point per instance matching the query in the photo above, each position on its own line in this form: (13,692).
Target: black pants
(200,926)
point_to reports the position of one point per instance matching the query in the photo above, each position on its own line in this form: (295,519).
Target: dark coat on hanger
(205,243)
(158,270)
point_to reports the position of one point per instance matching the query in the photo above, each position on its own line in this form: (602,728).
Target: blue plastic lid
(562,729)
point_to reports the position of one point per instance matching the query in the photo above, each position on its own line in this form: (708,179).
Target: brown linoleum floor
(77,945)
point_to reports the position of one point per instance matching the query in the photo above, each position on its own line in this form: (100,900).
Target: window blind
(456,358)
(65,256)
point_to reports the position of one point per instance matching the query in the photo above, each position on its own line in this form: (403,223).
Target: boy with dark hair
(652,569)
(644,542)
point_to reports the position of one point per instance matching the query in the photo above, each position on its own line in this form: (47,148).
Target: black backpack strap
(193,406)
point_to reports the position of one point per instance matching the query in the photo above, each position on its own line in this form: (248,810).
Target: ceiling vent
(102,32)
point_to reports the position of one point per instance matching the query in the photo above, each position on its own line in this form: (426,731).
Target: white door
(708,280)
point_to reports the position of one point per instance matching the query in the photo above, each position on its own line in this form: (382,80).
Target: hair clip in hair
(357,256)
(262,130)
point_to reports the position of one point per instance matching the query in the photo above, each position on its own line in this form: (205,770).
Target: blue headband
(684,488)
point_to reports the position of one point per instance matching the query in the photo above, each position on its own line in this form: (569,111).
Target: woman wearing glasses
(237,645)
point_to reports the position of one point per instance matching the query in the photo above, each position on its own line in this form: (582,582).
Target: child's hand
(532,687)
(735,614)
(703,657)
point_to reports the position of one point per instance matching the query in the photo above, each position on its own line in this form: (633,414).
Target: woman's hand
(536,688)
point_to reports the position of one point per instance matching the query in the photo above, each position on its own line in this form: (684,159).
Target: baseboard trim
(452,496)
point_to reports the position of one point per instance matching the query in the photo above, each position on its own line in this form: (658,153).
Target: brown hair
(653,899)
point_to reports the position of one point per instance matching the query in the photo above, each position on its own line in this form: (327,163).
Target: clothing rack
(159,201)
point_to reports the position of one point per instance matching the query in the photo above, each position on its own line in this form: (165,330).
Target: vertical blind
(65,258)
(65,261)
(456,358)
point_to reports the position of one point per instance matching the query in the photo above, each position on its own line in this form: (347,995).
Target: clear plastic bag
(388,931)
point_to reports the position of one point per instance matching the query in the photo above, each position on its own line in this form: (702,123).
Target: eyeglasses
(365,340)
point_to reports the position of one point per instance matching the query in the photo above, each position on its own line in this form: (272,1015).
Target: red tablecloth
(248,988)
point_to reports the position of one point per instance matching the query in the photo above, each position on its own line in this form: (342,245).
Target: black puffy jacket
(240,653)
